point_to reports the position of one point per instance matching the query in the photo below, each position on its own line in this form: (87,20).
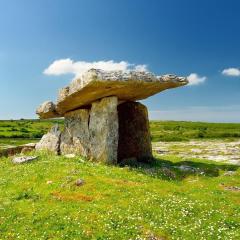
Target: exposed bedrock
(134,133)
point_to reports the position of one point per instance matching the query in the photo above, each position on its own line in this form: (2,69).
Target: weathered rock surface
(79,182)
(47,110)
(134,134)
(28,147)
(88,132)
(103,130)
(75,137)
(10,151)
(127,86)
(50,141)
(213,150)
(23,159)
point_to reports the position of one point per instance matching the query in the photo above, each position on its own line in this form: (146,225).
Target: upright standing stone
(103,130)
(50,141)
(75,137)
(134,133)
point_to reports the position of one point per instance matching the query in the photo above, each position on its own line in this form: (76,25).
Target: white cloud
(233,72)
(66,66)
(141,68)
(195,79)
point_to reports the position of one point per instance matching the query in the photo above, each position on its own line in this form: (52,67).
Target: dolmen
(103,121)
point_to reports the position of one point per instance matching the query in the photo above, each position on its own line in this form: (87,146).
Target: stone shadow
(168,170)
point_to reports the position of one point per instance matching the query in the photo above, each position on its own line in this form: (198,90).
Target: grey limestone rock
(134,133)
(126,86)
(50,141)
(103,130)
(47,110)
(75,137)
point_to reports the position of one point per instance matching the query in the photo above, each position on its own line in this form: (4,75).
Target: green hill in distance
(160,130)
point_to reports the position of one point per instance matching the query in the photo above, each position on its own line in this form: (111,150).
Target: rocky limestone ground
(215,150)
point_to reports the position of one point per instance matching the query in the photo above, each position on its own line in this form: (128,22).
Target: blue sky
(171,36)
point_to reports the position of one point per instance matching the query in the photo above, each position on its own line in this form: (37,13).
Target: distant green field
(160,130)
(25,128)
(183,131)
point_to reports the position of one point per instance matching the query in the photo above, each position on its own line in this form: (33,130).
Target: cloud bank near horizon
(68,66)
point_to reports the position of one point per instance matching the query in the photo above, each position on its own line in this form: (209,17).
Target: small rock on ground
(232,188)
(229,173)
(79,182)
(70,155)
(23,159)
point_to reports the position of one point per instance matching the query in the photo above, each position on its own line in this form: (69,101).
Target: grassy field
(184,131)
(40,200)
(25,128)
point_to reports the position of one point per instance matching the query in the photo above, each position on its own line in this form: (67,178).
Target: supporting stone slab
(134,133)
(92,132)
(103,130)
(75,137)
(107,132)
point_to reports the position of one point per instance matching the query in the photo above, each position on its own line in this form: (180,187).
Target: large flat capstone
(126,86)
(96,84)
